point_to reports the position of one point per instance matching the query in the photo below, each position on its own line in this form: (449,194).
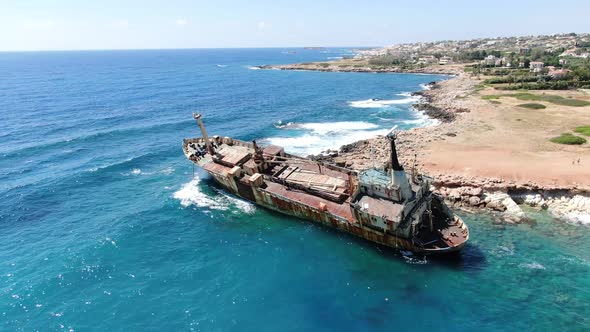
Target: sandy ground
(510,142)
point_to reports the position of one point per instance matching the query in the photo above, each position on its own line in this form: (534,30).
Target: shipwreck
(388,207)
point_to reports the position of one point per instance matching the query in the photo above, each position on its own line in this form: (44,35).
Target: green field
(558,100)
(550,98)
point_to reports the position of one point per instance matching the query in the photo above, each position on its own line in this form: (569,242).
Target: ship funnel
(395,165)
(197,117)
(398,176)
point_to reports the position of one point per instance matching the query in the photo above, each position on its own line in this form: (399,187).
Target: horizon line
(178,48)
(296,46)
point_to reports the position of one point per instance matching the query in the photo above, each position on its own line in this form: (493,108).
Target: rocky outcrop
(573,208)
(362,67)
(435,112)
(490,194)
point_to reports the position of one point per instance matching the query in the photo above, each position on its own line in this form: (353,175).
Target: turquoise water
(104,228)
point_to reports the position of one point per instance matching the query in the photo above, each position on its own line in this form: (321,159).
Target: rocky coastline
(501,197)
(347,67)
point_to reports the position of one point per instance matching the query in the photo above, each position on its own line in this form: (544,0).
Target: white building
(490,60)
(428,60)
(536,66)
(445,60)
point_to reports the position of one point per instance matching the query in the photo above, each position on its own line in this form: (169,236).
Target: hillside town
(428,51)
(553,62)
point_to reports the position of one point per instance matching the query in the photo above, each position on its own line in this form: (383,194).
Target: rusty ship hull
(330,195)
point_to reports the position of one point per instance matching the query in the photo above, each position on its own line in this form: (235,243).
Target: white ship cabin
(390,202)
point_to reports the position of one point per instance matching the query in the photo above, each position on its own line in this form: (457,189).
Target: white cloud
(263,25)
(181,21)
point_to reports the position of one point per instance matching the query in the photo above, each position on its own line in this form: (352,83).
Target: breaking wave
(425,86)
(421,120)
(253,67)
(281,125)
(378,103)
(331,127)
(191,194)
(318,137)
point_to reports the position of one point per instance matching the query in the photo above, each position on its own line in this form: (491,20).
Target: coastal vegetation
(538,69)
(584,130)
(568,139)
(559,100)
(533,106)
(554,99)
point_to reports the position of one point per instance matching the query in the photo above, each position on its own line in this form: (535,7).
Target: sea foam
(191,194)
(533,266)
(377,103)
(426,86)
(318,137)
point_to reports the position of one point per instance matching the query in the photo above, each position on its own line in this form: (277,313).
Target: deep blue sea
(103,227)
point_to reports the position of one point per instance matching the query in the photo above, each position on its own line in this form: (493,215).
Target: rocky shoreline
(496,195)
(347,67)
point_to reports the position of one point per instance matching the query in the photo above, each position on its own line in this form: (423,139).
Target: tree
(537,53)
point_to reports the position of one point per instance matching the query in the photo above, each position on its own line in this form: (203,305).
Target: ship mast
(197,117)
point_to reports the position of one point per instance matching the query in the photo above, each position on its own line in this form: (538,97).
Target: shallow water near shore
(104,227)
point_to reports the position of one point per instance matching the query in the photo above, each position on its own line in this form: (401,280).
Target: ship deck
(296,179)
(380,207)
(341,210)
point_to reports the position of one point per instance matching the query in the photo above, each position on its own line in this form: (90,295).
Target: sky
(156,24)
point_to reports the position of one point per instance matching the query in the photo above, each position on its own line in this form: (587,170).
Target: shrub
(533,106)
(569,139)
(584,130)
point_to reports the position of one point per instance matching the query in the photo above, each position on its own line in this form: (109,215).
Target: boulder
(339,161)
(454,194)
(512,209)
(474,201)
(495,205)
(477,191)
